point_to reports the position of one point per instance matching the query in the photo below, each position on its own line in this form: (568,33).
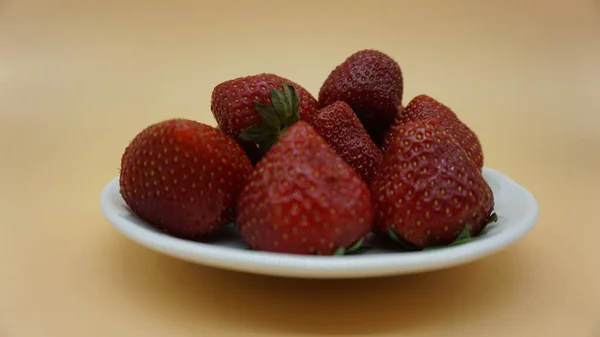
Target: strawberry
(183,177)
(424,107)
(342,130)
(303,198)
(379,134)
(237,103)
(371,83)
(400,110)
(427,191)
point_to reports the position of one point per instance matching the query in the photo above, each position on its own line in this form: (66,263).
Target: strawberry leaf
(340,251)
(258,132)
(267,115)
(281,102)
(393,235)
(465,235)
(275,118)
(492,218)
(357,247)
(294,99)
(396,239)
(461,239)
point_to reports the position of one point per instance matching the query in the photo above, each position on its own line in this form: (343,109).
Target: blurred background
(78,79)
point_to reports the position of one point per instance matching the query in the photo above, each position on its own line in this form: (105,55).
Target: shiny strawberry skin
(424,107)
(233,109)
(303,198)
(342,130)
(183,177)
(427,190)
(371,82)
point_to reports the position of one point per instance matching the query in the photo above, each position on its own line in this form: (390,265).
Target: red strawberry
(236,103)
(371,83)
(183,177)
(342,130)
(424,107)
(303,198)
(427,190)
(379,134)
(400,110)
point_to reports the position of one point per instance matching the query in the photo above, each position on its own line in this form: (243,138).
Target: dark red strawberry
(400,110)
(424,107)
(427,190)
(183,177)
(235,104)
(378,134)
(342,130)
(303,198)
(371,83)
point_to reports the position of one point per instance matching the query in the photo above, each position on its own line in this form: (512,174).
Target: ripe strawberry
(236,105)
(427,191)
(183,177)
(424,107)
(400,110)
(342,130)
(303,198)
(371,83)
(379,134)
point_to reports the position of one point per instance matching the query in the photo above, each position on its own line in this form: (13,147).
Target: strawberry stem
(275,118)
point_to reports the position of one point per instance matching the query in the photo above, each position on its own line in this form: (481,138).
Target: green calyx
(465,235)
(275,118)
(403,245)
(356,248)
(461,239)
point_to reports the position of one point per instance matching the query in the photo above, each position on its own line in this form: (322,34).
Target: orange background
(78,79)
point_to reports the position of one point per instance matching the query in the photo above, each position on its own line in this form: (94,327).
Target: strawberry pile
(302,175)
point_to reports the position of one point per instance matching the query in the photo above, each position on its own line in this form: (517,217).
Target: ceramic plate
(516,208)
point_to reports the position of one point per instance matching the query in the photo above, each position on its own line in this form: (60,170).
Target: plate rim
(306,266)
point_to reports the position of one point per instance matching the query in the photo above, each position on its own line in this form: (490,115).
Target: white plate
(516,208)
